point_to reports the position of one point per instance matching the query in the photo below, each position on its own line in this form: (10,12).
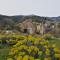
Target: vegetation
(20,47)
(10,22)
(14,46)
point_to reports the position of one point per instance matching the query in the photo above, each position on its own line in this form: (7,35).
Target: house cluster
(28,26)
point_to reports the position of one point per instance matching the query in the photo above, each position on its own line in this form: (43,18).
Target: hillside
(9,22)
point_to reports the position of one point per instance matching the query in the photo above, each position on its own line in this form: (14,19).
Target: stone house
(32,27)
(27,26)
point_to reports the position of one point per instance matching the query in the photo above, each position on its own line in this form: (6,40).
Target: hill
(9,22)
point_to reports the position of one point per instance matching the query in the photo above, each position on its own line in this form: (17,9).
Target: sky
(29,7)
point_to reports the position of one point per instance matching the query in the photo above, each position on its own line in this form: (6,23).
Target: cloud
(26,7)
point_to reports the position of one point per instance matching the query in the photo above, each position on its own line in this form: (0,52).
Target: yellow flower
(19,58)
(47,51)
(21,53)
(36,49)
(13,51)
(29,37)
(48,58)
(19,43)
(56,49)
(29,50)
(9,58)
(57,55)
(36,59)
(40,52)
(53,45)
(31,58)
(26,57)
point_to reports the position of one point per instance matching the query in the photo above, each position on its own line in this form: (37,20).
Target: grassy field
(57,42)
(4,53)
(6,49)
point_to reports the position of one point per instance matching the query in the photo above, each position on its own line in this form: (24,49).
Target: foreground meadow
(29,47)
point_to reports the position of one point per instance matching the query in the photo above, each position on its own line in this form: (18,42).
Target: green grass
(56,41)
(3,53)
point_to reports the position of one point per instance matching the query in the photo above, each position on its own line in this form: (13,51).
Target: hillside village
(31,24)
(31,27)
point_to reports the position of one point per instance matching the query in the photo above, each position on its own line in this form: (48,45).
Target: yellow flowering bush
(33,48)
(9,58)
(26,57)
(19,58)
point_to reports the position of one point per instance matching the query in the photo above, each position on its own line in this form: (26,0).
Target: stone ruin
(31,27)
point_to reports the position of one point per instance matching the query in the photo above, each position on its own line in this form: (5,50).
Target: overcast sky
(28,7)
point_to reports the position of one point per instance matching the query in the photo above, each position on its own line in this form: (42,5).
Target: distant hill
(55,18)
(9,22)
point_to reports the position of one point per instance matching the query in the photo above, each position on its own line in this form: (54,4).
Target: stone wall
(28,26)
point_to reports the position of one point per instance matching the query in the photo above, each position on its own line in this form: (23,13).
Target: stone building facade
(28,26)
